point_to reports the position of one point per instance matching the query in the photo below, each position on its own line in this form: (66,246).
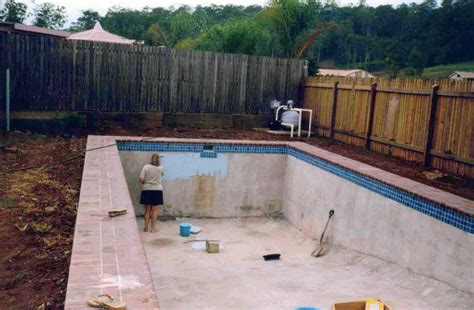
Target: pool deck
(238,277)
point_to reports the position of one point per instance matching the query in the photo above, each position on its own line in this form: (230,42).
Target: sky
(74,7)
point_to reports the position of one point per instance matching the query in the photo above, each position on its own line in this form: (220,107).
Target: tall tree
(385,38)
(13,12)
(291,18)
(48,15)
(86,21)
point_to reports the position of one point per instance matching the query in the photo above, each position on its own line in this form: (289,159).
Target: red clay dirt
(38,207)
(37,217)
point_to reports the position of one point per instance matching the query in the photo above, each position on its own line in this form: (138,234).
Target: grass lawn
(443,71)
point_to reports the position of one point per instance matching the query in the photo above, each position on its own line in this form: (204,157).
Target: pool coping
(102,251)
(107,255)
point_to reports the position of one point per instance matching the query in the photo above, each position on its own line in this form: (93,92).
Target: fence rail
(427,122)
(55,74)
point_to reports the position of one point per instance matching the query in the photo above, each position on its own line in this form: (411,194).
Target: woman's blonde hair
(155,160)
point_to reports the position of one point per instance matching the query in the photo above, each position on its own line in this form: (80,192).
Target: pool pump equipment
(288,119)
(291,118)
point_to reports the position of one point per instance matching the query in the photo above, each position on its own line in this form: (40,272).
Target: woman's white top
(152,176)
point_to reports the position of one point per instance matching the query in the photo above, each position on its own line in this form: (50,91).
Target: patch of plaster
(181,166)
(122,282)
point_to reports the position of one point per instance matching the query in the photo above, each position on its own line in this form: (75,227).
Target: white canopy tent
(99,34)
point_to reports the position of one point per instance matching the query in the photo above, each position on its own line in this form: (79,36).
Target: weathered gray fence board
(56,74)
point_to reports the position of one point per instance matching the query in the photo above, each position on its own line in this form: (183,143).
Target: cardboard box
(355,305)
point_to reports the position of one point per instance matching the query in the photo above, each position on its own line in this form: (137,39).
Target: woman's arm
(142,176)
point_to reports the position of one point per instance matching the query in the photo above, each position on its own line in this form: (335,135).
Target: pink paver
(108,255)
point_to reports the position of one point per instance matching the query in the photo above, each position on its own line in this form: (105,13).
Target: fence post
(303,84)
(333,110)
(8,81)
(430,124)
(370,116)
(73,78)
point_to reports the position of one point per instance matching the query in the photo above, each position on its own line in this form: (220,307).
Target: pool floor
(238,277)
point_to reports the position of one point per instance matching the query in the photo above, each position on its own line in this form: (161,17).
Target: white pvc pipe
(291,127)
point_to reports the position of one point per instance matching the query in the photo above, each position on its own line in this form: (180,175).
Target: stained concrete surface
(231,185)
(239,278)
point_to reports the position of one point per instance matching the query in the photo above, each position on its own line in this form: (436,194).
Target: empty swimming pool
(260,197)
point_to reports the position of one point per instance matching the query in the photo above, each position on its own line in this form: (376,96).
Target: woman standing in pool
(152,191)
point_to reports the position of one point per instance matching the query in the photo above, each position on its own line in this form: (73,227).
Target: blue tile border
(444,214)
(437,211)
(143,146)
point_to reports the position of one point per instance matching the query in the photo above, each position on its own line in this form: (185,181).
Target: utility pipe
(7,98)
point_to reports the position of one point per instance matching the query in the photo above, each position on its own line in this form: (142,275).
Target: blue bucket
(185,229)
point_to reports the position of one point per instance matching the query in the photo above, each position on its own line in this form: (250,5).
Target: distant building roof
(99,34)
(21,28)
(349,73)
(469,75)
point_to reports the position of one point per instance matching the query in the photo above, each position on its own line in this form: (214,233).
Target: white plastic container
(290,117)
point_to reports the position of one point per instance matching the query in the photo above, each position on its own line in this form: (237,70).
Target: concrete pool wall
(229,185)
(413,225)
(370,223)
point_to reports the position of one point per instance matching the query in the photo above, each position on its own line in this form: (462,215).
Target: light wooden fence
(428,122)
(56,74)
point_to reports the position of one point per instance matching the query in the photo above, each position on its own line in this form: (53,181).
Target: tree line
(399,40)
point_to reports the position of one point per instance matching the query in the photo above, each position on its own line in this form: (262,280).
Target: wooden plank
(243,83)
(464,160)
(333,109)
(365,88)
(458,94)
(319,85)
(214,82)
(370,116)
(430,124)
(393,143)
(404,91)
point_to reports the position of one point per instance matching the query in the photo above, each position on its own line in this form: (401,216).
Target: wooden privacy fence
(427,122)
(55,74)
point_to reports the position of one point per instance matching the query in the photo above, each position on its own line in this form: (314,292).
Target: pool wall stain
(205,191)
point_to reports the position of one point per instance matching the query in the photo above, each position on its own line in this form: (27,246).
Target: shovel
(320,249)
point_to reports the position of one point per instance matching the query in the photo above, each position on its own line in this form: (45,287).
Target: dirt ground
(37,217)
(38,206)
